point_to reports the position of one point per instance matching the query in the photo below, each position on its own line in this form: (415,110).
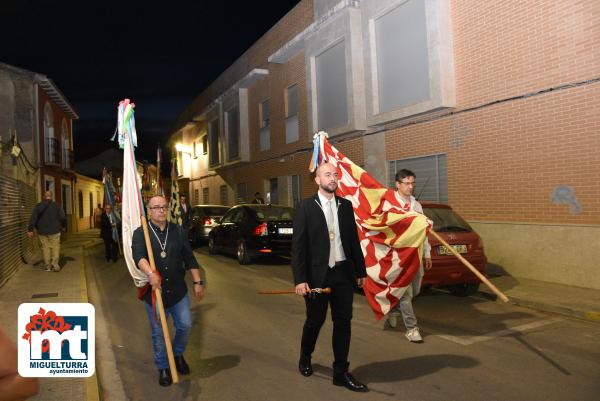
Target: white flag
(132,207)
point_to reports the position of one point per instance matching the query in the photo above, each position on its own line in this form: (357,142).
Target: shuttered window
(223,195)
(17,201)
(332,96)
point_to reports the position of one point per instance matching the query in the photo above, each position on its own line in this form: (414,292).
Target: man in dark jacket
(173,257)
(108,222)
(326,253)
(48,219)
(186,212)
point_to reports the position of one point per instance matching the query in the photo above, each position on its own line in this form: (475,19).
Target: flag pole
(487,282)
(159,304)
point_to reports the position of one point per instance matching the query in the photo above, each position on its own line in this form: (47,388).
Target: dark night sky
(160,56)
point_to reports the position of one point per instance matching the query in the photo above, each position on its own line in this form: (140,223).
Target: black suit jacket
(186,216)
(310,242)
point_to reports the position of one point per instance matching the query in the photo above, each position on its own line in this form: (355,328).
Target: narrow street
(244,346)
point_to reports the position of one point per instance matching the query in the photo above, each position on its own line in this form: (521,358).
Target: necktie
(331,230)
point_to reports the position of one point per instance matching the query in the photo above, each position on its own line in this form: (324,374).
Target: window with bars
(431,176)
(196,196)
(241,193)
(223,195)
(205,198)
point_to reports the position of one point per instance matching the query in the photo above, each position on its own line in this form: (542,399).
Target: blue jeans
(182,318)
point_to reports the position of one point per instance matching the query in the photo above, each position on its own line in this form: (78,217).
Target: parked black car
(204,218)
(250,230)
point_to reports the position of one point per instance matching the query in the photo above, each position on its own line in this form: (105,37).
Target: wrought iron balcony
(52,151)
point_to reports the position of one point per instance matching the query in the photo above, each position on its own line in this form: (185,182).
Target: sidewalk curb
(592,316)
(92,388)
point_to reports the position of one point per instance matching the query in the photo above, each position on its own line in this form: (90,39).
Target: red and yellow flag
(391,239)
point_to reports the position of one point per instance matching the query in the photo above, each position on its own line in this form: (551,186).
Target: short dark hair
(404,173)
(256,193)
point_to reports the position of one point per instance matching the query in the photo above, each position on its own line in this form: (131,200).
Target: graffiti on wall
(564,194)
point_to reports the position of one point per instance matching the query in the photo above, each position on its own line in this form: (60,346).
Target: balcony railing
(67,159)
(52,151)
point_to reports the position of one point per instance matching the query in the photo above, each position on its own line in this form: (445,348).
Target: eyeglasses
(161,208)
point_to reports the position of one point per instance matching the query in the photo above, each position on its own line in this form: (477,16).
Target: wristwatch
(199,282)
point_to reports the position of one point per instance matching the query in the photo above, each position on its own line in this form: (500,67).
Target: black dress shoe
(304,366)
(164,377)
(181,365)
(347,380)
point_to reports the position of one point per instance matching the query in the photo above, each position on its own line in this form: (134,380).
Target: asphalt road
(244,346)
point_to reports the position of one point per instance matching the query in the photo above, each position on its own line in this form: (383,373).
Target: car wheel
(242,253)
(211,245)
(463,289)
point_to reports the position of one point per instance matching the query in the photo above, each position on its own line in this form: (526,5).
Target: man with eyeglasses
(405,186)
(172,257)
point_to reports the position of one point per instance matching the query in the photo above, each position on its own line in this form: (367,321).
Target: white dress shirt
(339,250)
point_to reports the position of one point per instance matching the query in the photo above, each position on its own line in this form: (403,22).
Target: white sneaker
(413,335)
(392,320)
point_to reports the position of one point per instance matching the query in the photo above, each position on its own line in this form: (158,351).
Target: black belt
(339,263)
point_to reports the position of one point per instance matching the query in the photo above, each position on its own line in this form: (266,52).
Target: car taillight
(206,221)
(260,229)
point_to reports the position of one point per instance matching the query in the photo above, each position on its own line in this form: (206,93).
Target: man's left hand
(360,282)
(199,291)
(428,264)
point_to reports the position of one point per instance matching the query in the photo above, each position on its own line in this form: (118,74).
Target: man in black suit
(326,253)
(186,212)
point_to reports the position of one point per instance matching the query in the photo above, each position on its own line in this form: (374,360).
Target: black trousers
(342,293)
(110,249)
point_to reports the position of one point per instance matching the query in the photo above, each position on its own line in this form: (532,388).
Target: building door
(273,194)
(91,210)
(66,203)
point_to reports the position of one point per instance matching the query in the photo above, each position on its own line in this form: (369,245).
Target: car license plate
(286,230)
(442,250)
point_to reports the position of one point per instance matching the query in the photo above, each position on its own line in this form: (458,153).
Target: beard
(329,188)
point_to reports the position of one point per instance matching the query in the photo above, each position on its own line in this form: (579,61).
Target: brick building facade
(495,106)
(42,117)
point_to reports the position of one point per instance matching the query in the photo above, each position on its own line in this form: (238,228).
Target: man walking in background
(186,212)
(405,185)
(48,219)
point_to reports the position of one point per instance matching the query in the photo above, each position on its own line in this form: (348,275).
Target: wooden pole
(487,282)
(159,303)
(280,292)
